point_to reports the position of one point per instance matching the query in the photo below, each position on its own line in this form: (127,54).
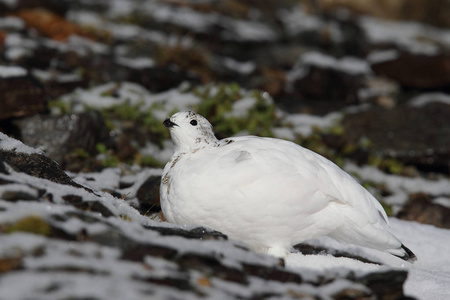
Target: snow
(444,201)
(12,23)
(116,93)
(45,75)
(411,36)
(244,68)
(12,71)
(10,144)
(428,278)
(304,124)
(380,56)
(241,30)
(136,62)
(162,155)
(181,16)
(400,186)
(426,98)
(297,21)
(348,64)
(241,107)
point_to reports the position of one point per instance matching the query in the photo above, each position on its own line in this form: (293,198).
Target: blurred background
(362,82)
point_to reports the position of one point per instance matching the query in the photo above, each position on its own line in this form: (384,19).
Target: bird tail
(409,255)
(406,254)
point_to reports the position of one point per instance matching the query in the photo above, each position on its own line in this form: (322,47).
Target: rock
(39,166)
(157,79)
(421,208)
(58,136)
(308,249)
(325,83)
(417,70)
(21,94)
(196,233)
(93,206)
(148,195)
(14,193)
(433,12)
(376,282)
(416,136)
(55,6)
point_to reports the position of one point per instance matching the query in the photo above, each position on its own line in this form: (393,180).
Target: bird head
(190,131)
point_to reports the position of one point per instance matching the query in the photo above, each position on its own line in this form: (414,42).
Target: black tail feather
(409,256)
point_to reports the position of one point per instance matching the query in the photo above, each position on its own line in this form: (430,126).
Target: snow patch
(12,71)
(427,98)
(10,144)
(304,124)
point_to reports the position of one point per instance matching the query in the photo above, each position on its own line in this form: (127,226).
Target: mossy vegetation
(32,224)
(217,106)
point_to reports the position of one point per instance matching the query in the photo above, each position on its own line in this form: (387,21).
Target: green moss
(127,111)
(217,103)
(336,129)
(150,161)
(389,165)
(61,107)
(31,224)
(80,153)
(107,158)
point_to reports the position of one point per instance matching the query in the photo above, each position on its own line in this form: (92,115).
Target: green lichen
(148,161)
(107,157)
(60,107)
(389,165)
(31,224)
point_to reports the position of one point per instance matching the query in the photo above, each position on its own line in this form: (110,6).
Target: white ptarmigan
(268,193)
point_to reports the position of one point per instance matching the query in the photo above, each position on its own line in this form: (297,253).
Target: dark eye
(194,122)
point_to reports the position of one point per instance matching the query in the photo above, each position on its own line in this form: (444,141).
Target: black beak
(169,123)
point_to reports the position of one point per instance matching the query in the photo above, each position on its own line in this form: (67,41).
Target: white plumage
(268,193)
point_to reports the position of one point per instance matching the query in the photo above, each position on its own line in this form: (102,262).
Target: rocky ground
(89,84)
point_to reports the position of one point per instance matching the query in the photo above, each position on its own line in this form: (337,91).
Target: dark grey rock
(92,206)
(58,136)
(148,195)
(196,233)
(38,165)
(418,136)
